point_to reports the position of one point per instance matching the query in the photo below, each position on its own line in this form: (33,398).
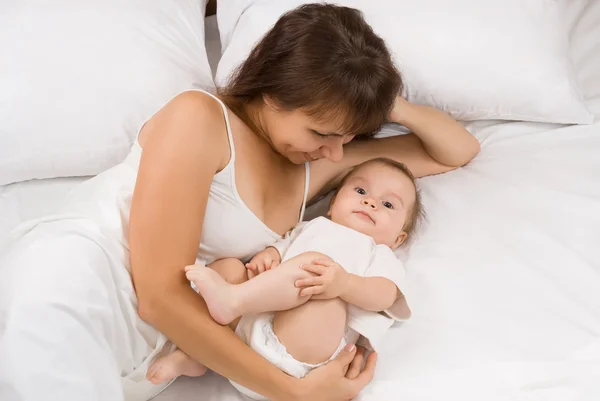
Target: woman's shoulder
(197,106)
(191,119)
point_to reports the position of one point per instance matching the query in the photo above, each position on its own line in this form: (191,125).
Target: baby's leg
(178,363)
(234,272)
(273,290)
(312,332)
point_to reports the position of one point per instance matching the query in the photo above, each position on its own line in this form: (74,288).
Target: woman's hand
(340,379)
(443,138)
(331,280)
(266,259)
(399,107)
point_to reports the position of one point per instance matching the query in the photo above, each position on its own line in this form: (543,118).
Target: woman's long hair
(325,60)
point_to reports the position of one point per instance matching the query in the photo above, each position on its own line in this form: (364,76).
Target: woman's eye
(319,134)
(361,191)
(388,205)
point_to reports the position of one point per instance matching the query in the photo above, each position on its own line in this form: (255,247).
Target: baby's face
(375,200)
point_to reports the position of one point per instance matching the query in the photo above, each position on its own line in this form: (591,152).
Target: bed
(506,268)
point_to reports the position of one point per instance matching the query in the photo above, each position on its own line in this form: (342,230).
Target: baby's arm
(333,281)
(386,266)
(283,244)
(379,291)
(266,259)
(370,293)
(271,256)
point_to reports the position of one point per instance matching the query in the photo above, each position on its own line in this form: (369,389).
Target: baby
(344,264)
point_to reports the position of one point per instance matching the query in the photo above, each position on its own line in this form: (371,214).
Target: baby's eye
(360,191)
(388,205)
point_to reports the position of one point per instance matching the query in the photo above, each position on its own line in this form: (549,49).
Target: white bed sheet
(31,199)
(505,272)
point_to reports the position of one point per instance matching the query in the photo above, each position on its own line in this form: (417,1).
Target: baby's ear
(400,240)
(331,205)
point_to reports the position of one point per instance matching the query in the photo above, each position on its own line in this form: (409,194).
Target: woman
(232,177)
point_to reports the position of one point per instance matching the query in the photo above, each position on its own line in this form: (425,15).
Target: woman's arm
(443,138)
(185,144)
(437,144)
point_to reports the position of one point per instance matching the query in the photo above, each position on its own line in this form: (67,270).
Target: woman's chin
(297,157)
(308,158)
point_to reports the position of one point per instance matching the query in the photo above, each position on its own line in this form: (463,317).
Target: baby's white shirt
(358,254)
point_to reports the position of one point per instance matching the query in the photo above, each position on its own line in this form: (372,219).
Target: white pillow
(493,59)
(585,49)
(79,78)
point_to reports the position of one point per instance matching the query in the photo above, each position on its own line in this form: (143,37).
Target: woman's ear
(270,102)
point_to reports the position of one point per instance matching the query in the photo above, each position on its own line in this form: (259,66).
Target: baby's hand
(331,280)
(266,259)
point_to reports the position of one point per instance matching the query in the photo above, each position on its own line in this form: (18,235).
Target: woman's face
(300,138)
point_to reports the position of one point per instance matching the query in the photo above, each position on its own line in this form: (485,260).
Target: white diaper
(257,332)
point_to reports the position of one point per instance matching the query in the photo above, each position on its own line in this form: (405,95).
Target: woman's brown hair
(325,60)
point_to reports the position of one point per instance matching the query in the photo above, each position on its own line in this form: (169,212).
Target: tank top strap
(227,123)
(306,188)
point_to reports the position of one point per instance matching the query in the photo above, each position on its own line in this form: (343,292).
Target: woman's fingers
(346,357)
(328,382)
(364,377)
(356,364)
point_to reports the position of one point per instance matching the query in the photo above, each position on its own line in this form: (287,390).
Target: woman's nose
(335,153)
(369,203)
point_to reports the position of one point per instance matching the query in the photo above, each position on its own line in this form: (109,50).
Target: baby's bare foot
(174,365)
(217,293)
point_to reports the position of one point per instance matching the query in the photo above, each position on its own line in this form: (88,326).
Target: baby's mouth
(364,215)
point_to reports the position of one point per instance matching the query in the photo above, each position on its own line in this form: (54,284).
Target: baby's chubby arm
(267,259)
(270,257)
(331,280)
(370,293)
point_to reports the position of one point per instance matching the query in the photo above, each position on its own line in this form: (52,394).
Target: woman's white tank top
(230,228)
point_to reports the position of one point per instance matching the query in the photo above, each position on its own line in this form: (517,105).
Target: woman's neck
(252,115)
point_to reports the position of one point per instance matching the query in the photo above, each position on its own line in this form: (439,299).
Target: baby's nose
(369,203)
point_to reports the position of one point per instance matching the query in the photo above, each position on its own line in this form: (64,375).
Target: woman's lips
(309,158)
